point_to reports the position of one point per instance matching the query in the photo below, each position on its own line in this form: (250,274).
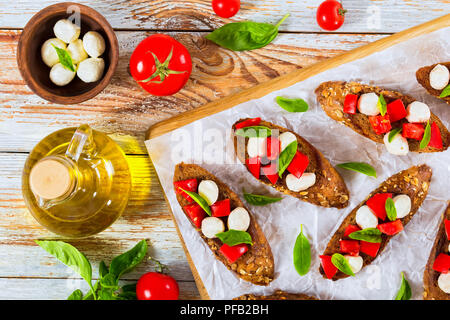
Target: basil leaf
(339,261)
(259,200)
(426,136)
(102,269)
(234,237)
(382,105)
(247,35)
(76,295)
(445,92)
(360,167)
(128,260)
(286,157)
(109,281)
(404,292)
(369,235)
(393,133)
(200,201)
(254,132)
(64,58)
(302,254)
(391,212)
(292,105)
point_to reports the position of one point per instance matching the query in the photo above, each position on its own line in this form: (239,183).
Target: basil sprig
(286,157)
(445,92)
(234,237)
(200,201)
(247,35)
(393,133)
(64,58)
(254,132)
(339,261)
(259,200)
(404,292)
(426,136)
(382,105)
(292,105)
(360,167)
(391,211)
(369,235)
(302,254)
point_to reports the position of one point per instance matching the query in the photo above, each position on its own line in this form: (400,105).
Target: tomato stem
(162,69)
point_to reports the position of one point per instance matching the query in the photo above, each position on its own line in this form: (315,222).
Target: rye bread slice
(328,191)
(257,264)
(423,77)
(430,277)
(331,96)
(277,295)
(413,182)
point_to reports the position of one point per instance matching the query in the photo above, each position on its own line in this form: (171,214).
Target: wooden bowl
(37,74)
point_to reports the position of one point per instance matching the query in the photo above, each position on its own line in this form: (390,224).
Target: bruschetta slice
(369,227)
(435,79)
(277,295)
(224,223)
(359,107)
(436,278)
(288,163)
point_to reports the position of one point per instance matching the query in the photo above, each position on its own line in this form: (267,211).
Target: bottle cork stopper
(50,179)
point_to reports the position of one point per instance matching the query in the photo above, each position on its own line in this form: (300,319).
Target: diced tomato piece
(435,138)
(271,172)
(442,263)
(380,124)
(391,228)
(189,185)
(298,164)
(195,213)
(350,229)
(328,267)
(254,166)
(369,248)
(248,123)
(221,208)
(273,148)
(447,228)
(396,110)
(350,103)
(378,204)
(349,246)
(413,131)
(232,253)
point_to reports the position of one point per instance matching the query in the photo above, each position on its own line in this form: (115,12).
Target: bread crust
(328,191)
(430,277)
(277,295)
(331,96)
(257,264)
(413,182)
(423,77)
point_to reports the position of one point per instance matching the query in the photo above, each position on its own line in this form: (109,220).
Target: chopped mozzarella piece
(398,146)
(48,53)
(418,112)
(61,76)
(212,226)
(402,204)
(209,190)
(286,138)
(94,44)
(299,184)
(66,30)
(256,147)
(367,104)
(439,77)
(76,51)
(355,263)
(365,218)
(444,282)
(91,69)
(239,219)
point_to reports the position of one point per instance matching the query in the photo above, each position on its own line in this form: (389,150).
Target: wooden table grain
(124,111)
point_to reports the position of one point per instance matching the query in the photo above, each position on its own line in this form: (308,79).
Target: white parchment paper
(208,142)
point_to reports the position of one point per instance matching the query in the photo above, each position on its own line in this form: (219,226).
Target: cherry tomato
(330,15)
(157,286)
(160,65)
(226,8)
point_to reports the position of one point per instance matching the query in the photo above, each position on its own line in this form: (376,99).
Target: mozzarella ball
(256,147)
(91,69)
(48,53)
(212,226)
(94,44)
(398,146)
(368,104)
(439,77)
(239,219)
(355,263)
(76,51)
(66,30)
(365,218)
(60,75)
(444,282)
(286,138)
(402,204)
(299,184)
(209,191)
(418,112)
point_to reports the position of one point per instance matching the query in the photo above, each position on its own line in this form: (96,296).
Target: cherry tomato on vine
(157,286)
(226,8)
(330,15)
(161,65)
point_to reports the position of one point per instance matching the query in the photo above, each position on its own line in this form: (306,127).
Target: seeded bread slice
(257,264)
(430,277)
(423,77)
(328,191)
(331,96)
(277,295)
(413,182)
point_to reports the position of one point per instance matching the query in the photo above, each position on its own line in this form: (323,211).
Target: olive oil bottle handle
(82,143)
